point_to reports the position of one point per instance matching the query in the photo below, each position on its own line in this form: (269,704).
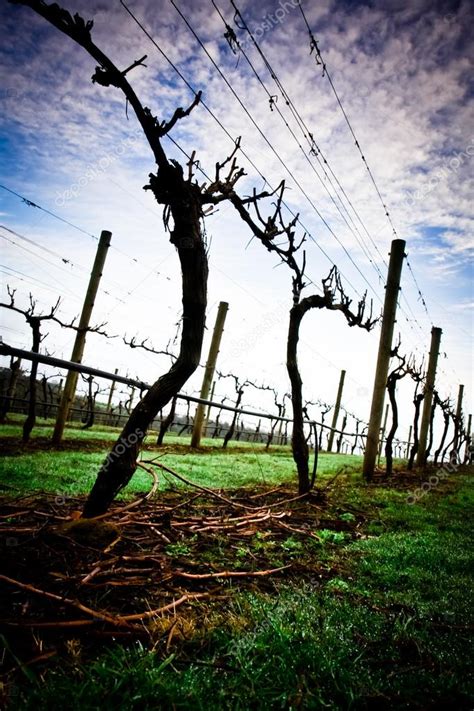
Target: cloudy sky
(403,71)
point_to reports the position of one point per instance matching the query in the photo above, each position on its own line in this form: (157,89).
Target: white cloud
(401,74)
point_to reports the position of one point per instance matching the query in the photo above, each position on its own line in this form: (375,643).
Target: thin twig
(202,488)
(165,608)
(293,529)
(64,600)
(231,574)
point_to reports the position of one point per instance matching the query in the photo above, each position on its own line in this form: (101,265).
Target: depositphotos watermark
(449,168)
(434,480)
(95,170)
(124,444)
(269,321)
(269,21)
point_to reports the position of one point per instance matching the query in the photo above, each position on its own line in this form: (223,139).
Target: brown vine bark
(230,432)
(30,421)
(166,423)
(183,201)
(418,399)
(34,321)
(121,463)
(341,436)
(187,427)
(299,444)
(446,418)
(331,287)
(15,370)
(391,388)
(431,428)
(397,374)
(267,230)
(91,397)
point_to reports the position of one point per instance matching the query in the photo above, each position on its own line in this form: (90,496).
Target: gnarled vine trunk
(121,462)
(183,202)
(391,388)
(30,421)
(417,401)
(166,423)
(231,430)
(446,418)
(15,370)
(430,432)
(299,444)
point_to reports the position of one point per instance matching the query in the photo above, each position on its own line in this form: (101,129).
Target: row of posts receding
(375,431)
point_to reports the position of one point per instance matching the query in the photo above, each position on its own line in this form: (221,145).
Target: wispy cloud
(401,69)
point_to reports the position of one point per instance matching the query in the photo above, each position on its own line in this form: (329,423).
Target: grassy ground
(374,614)
(73,468)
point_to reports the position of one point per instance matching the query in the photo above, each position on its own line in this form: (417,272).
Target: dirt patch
(13,446)
(131,573)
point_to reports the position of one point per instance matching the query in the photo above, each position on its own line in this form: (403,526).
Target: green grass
(74,431)
(390,631)
(72,473)
(387,626)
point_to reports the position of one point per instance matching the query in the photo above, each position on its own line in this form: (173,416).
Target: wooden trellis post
(208,413)
(70,385)
(336,409)
(392,288)
(209,372)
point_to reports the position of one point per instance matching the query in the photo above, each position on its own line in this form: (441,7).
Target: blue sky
(403,72)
